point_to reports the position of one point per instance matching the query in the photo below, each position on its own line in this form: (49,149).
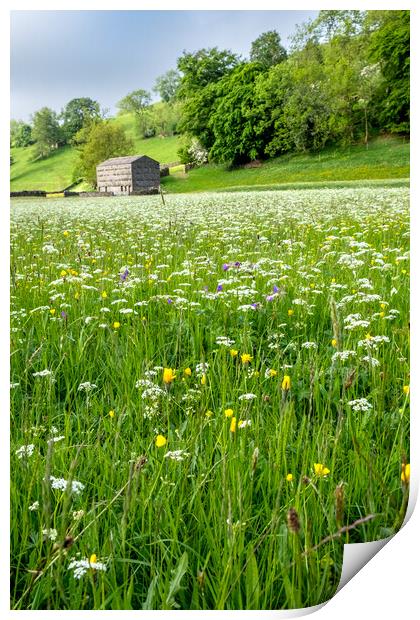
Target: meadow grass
(386,161)
(55,172)
(206,395)
(386,158)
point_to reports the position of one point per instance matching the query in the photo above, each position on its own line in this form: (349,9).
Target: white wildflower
(25,451)
(177,455)
(360,404)
(49,534)
(61,484)
(248,396)
(43,373)
(80,567)
(224,341)
(371,360)
(201,368)
(309,345)
(343,355)
(86,386)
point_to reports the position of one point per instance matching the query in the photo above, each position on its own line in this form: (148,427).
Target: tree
(105,140)
(234,119)
(77,113)
(167,85)
(135,102)
(46,132)
(164,118)
(390,47)
(196,114)
(267,49)
(370,83)
(20,134)
(207,66)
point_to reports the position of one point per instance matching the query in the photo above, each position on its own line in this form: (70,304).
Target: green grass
(105,294)
(384,159)
(51,174)
(56,171)
(164,150)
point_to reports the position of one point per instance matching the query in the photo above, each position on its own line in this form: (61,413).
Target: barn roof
(122,160)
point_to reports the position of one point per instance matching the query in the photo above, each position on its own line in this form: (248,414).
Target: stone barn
(135,174)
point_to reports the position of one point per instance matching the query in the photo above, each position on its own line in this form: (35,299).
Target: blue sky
(59,55)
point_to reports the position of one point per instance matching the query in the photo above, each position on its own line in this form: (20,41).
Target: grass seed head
(293,522)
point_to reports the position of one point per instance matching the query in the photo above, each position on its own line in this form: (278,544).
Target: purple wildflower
(219,288)
(123,276)
(225,266)
(169,300)
(275,289)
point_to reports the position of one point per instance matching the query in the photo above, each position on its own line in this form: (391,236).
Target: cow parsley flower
(43,373)
(224,341)
(25,451)
(360,404)
(86,387)
(343,355)
(49,534)
(61,484)
(248,396)
(80,567)
(177,455)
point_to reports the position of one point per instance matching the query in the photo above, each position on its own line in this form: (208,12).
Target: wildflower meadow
(209,396)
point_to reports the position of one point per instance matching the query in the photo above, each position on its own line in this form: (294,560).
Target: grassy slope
(51,174)
(162,149)
(55,172)
(386,158)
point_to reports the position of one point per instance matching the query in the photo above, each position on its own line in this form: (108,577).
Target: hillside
(56,171)
(384,159)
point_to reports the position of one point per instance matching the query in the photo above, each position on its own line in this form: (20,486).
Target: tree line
(344,78)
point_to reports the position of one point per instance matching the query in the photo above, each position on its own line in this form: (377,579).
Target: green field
(56,171)
(209,397)
(384,159)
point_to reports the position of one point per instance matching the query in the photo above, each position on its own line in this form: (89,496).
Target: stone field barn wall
(136,174)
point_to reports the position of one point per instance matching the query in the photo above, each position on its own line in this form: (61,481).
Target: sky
(59,55)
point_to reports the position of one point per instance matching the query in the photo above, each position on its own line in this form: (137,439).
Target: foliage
(192,152)
(135,102)
(104,140)
(20,134)
(233,121)
(46,132)
(204,67)
(77,113)
(346,78)
(196,116)
(167,85)
(159,119)
(267,49)
(389,46)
